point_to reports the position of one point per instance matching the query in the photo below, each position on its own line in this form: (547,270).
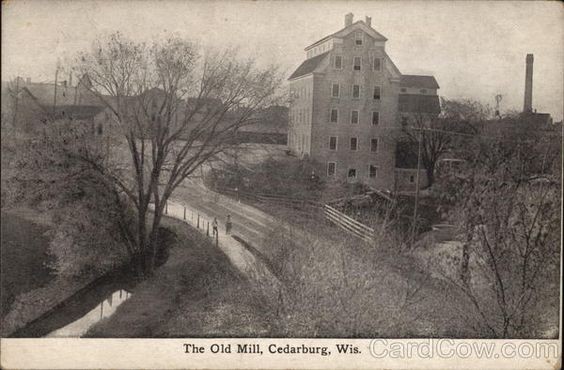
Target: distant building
(271,127)
(345,103)
(529,114)
(34,103)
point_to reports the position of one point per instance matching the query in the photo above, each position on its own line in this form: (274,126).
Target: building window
(374,145)
(358,38)
(423,91)
(377,93)
(333,143)
(335,90)
(331,168)
(354,116)
(100,129)
(334,115)
(404,120)
(357,63)
(338,62)
(354,143)
(352,173)
(403,89)
(375,118)
(372,171)
(412,179)
(356,92)
(377,64)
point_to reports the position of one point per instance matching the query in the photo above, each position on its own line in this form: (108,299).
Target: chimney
(528,105)
(368,21)
(348,19)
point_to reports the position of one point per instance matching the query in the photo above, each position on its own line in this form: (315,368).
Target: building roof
(344,31)
(44,93)
(425,82)
(308,66)
(414,103)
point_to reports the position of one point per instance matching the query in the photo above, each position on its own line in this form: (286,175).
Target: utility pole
(55,94)
(414,222)
(17,98)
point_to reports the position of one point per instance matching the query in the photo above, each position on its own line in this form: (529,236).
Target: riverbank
(196,293)
(31,290)
(23,254)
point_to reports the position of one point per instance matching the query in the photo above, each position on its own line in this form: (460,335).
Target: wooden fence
(348,224)
(331,214)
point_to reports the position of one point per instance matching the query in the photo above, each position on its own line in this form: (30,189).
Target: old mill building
(347,104)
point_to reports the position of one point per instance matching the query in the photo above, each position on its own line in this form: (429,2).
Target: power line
(491,137)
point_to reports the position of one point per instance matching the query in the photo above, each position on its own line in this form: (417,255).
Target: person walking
(214,227)
(228,225)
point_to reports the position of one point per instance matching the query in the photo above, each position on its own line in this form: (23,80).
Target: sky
(474,49)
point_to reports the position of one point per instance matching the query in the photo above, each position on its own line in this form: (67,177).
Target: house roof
(425,82)
(414,103)
(345,31)
(308,66)
(44,93)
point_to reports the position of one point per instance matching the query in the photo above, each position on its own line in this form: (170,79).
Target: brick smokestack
(348,19)
(528,105)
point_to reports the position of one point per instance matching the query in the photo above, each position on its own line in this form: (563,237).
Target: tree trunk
(152,243)
(464,271)
(430,174)
(142,240)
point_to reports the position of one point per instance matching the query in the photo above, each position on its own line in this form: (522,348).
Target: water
(75,316)
(105,309)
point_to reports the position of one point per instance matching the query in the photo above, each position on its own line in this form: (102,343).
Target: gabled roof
(425,82)
(414,103)
(44,93)
(345,31)
(308,66)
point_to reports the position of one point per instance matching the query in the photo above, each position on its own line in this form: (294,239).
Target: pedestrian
(214,226)
(228,225)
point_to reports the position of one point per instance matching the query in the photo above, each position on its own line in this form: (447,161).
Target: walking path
(197,212)
(249,223)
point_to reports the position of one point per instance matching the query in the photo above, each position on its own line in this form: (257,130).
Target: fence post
(166,207)
(208,229)
(184,213)
(198,224)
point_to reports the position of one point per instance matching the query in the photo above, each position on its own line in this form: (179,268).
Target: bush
(288,177)
(336,289)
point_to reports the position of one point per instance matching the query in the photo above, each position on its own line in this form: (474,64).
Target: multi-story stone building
(344,111)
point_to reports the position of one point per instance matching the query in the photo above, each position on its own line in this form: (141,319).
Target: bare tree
(440,134)
(509,225)
(174,109)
